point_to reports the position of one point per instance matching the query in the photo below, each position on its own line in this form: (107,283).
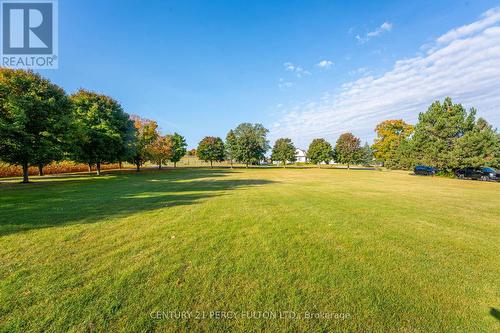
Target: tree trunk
(231,161)
(98,168)
(159,166)
(175,164)
(348,166)
(246,165)
(138,166)
(211,165)
(120,164)
(284,164)
(40,169)
(90,168)
(25,173)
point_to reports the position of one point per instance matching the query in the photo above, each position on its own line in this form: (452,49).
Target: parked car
(485,173)
(491,174)
(424,170)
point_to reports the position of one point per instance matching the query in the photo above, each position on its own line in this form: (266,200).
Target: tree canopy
(178,147)
(251,143)
(390,134)
(437,132)
(348,150)
(283,151)
(211,149)
(231,146)
(447,137)
(366,157)
(320,151)
(161,150)
(146,132)
(104,128)
(35,119)
(478,147)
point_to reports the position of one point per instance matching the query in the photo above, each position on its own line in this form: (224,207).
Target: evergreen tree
(478,147)
(437,132)
(366,155)
(231,146)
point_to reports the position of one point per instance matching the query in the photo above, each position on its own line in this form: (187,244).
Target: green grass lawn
(382,251)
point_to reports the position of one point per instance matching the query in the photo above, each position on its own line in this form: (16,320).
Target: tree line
(248,144)
(446,136)
(40,123)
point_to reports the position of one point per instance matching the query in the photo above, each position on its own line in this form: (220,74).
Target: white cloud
(384,27)
(283,84)
(466,69)
(289,66)
(489,18)
(299,71)
(325,64)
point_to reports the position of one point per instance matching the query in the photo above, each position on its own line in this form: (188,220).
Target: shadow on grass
(85,199)
(495,313)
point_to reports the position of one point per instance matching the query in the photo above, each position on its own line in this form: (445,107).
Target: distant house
(300,155)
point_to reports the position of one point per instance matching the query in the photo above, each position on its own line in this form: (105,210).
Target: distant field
(356,250)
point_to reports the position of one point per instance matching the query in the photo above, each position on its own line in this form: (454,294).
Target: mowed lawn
(381,251)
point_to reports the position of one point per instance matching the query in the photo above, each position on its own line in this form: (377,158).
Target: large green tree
(478,147)
(404,157)
(348,150)
(179,148)
(35,118)
(320,151)
(251,143)
(211,149)
(103,126)
(283,151)
(437,132)
(390,134)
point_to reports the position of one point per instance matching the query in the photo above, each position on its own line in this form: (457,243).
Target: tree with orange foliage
(390,134)
(161,150)
(146,133)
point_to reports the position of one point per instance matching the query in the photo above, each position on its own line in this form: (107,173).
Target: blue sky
(304,69)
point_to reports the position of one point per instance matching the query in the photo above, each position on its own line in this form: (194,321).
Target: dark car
(424,170)
(485,173)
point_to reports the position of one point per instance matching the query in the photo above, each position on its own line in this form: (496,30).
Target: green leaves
(437,132)
(283,151)
(35,118)
(390,134)
(446,137)
(320,151)
(211,149)
(179,147)
(106,129)
(250,143)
